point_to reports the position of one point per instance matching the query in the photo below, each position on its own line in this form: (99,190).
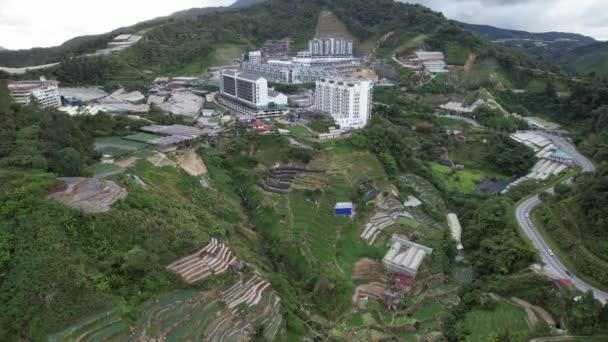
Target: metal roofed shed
(455,229)
(344,209)
(404,256)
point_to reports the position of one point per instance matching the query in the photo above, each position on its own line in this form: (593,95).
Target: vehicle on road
(527,215)
(550,252)
(569,274)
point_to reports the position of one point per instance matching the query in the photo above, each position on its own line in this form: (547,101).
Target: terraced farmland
(189,316)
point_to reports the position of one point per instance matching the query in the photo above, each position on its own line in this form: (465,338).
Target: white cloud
(30,23)
(38,23)
(587,17)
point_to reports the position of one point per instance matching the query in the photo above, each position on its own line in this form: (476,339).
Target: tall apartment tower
(331,47)
(46,93)
(349,102)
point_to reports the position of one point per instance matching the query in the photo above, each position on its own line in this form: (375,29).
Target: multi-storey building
(45,93)
(288,72)
(349,102)
(249,94)
(255,57)
(330,47)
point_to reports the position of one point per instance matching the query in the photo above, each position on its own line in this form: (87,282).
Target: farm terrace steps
(190,316)
(215,258)
(279,180)
(90,195)
(388,212)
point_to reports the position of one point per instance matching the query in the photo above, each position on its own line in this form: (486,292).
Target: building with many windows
(255,57)
(330,47)
(288,72)
(349,102)
(46,93)
(249,94)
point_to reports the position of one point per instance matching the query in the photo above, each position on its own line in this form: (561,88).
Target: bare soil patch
(126,162)
(367,269)
(190,161)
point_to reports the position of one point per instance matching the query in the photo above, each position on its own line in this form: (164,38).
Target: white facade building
(249,94)
(255,57)
(331,47)
(349,102)
(46,93)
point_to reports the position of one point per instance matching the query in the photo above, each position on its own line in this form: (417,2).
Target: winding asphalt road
(553,266)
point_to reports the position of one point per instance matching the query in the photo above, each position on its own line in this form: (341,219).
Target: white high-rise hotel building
(349,102)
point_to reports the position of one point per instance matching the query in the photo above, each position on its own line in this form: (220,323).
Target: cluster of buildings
(430,63)
(325,57)
(328,63)
(551,160)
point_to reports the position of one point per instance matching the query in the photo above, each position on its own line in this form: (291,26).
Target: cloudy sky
(33,23)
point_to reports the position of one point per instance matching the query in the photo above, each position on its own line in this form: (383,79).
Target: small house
(343,209)
(260,126)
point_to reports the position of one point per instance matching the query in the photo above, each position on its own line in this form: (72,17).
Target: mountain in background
(571,51)
(496,33)
(586,59)
(87,44)
(2,49)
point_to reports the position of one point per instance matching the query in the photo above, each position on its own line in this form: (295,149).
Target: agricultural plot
(419,318)
(215,258)
(426,191)
(505,317)
(117,146)
(106,170)
(89,195)
(141,137)
(457,181)
(188,316)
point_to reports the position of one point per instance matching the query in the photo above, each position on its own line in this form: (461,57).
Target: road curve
(553,266)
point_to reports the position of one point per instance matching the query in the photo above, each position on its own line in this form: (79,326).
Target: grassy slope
(505,317)
(171,219)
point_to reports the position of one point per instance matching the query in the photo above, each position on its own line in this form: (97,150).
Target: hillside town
(310,173)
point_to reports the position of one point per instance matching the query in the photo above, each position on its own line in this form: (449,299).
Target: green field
(105,170)
(451,180)
(141,137)
(300,132)
(117,146)
(505,317)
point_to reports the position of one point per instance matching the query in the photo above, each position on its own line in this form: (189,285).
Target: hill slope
(586,59)
(496,33)
(87,44)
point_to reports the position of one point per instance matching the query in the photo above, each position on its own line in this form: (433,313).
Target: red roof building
(402,281)
(561,283)
(260,126)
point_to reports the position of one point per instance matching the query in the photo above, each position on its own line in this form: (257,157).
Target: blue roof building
(343,209)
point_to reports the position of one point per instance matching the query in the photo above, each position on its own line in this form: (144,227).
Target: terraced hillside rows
(215,258)
(89,194)
(229,315)
(389,211)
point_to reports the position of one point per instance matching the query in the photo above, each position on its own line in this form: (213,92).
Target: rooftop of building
(561,154)
(242,75)
(406,254)
(344,205)
(30,84)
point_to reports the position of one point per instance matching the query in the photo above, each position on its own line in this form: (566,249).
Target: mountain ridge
(497,33)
